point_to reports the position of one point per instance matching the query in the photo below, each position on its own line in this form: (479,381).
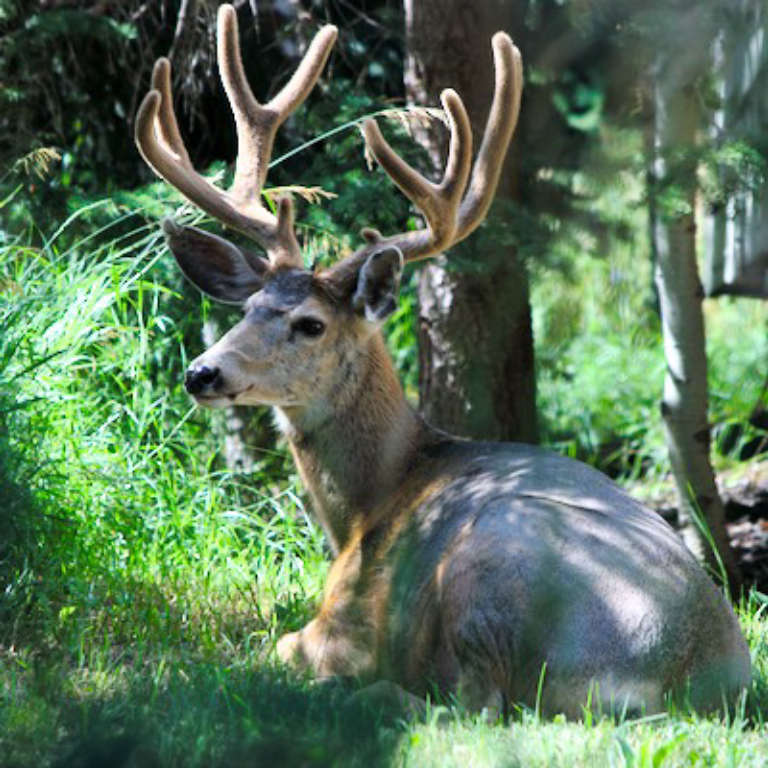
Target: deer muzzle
(202,380)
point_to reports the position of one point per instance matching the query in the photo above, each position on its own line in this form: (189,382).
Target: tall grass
(124,540)
(93,349)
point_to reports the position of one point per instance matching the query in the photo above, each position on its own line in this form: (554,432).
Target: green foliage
(737,350)
(729,168)
(580,103)
(143,584)
(64,86)
(599,354)
(132,507)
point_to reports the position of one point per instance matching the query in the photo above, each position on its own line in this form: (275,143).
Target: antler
(240,207)
(450,213)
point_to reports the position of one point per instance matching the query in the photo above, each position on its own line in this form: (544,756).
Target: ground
(745,495)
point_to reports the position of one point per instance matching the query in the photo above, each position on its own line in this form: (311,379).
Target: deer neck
(353,449)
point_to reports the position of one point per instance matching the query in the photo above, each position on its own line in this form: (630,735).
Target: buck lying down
(460,566)
(507,559)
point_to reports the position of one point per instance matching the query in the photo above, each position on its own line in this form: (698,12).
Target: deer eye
(308,326)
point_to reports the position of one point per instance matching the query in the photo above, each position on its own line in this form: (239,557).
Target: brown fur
(353,632)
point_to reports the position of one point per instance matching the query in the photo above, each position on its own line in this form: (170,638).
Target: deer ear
(214,265)
(378,282)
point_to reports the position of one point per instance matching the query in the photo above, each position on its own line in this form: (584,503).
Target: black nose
(198,379)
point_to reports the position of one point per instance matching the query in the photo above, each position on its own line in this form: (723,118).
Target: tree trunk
(476,375)
(684,402)
(234,428)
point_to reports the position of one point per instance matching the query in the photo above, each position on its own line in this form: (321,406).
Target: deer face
(301,334)
(285,351)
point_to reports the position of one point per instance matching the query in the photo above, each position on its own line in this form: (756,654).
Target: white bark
(231,427)
(684,402)
(736,231)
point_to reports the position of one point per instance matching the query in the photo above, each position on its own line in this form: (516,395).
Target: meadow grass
(144,585)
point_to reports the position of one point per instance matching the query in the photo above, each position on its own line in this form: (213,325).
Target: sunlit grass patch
(663,741)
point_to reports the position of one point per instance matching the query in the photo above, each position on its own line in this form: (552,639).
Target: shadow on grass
(16,512)
(21,521)
(204,716)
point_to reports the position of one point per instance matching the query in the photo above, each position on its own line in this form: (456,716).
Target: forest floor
(746,508)
(744,491)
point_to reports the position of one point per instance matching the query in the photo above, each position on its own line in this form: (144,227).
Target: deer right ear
(378,282)
(214,265)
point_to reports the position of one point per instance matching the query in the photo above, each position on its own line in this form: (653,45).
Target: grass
(144,585)
(160,704)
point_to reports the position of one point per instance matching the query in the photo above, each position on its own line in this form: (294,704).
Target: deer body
(491,571)
(481,562)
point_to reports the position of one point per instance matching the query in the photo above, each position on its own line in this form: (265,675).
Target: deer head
(303,331)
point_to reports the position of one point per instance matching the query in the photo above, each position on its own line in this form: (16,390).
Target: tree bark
(236,427)
(476,375)
(684,404)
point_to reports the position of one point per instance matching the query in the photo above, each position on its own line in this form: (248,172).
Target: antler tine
(303,80)
(257,124)
(438,202)
(168,128)
(501,123)
(160,143)
(449,218)
(174,167)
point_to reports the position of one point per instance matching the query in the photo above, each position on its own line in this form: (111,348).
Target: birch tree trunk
(476,374)
(233,427)
(685,401)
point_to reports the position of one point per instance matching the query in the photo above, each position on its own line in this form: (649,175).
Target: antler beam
(240,207)
(451,214)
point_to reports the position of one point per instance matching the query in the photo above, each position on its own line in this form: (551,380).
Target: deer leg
(324,649)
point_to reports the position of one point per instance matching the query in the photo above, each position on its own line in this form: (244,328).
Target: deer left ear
(378,283)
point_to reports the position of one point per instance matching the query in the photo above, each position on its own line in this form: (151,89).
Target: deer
(499,573)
